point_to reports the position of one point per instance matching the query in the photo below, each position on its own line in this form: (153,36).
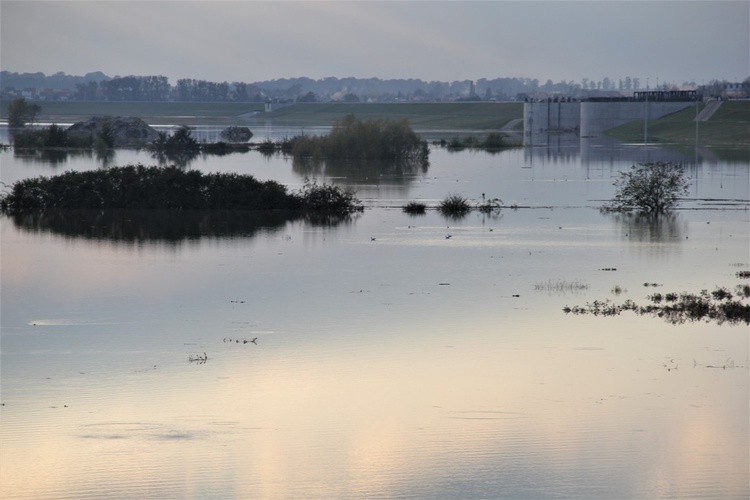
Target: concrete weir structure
(590,118)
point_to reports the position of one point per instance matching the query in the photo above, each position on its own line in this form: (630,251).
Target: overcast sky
(669,41)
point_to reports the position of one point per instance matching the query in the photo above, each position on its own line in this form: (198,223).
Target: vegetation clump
(20,112)
(415,208)
(491,142)
(236,134)
(454,205)
(720,305)
(353,139)
(651,188)
(52,137)
(169,188)
(328,199)
(181,140)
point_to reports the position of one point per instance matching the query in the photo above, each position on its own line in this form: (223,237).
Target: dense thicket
(53,136)
(353,139)
(138,186)
(170,188)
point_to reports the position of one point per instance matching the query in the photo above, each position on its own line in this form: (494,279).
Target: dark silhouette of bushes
(415,208)
(170,188)
(51,137)
(454,205)
(326,198)
(494,141)
(181,140)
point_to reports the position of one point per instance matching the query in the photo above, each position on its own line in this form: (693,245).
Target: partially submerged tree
(652,188)
(20,112)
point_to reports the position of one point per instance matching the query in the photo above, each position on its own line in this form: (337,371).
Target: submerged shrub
(454,205)
(353,139)
(415,208)
(326,198)
(181,140)
(53,136)
(652,188)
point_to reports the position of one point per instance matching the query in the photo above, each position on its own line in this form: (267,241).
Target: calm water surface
(390,360)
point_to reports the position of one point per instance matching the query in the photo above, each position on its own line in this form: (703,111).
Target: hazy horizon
(663,42)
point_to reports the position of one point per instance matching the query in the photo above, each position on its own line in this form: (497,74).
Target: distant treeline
(100,87)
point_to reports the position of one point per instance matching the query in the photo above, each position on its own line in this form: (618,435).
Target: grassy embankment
(728,127)
(467,116)
(153,113)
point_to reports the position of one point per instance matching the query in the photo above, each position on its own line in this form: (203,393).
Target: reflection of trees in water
(649,228)
(178,158)
(106,157)
(174,227)
(51,156)
(360,171)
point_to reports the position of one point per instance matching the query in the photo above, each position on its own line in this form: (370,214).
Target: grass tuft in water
(415,208)
(454,205)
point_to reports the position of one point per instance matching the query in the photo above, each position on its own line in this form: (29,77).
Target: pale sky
(665,41)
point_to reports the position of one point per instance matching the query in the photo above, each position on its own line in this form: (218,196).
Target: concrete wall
(542,117)
(596,117)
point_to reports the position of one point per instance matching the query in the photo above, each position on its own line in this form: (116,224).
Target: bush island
(171,188)
(53,136)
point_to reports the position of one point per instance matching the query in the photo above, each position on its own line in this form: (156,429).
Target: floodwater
(387,356)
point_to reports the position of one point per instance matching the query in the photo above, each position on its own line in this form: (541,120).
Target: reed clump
(454,205)
(415,208)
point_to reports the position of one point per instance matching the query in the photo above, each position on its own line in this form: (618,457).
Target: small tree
(652,188)
(20,112)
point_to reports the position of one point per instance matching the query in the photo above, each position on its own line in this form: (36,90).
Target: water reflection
(360,171)
(142,226)
(649,228)
(566,148)
(53,156)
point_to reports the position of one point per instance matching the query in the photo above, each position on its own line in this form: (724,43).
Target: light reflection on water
(408,366)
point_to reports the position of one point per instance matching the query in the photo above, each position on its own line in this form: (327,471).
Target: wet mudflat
(388,356)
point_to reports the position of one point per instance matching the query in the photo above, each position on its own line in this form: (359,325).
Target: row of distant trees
(99,87)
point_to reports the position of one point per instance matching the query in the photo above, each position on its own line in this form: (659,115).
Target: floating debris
(198,358)
(254,340)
